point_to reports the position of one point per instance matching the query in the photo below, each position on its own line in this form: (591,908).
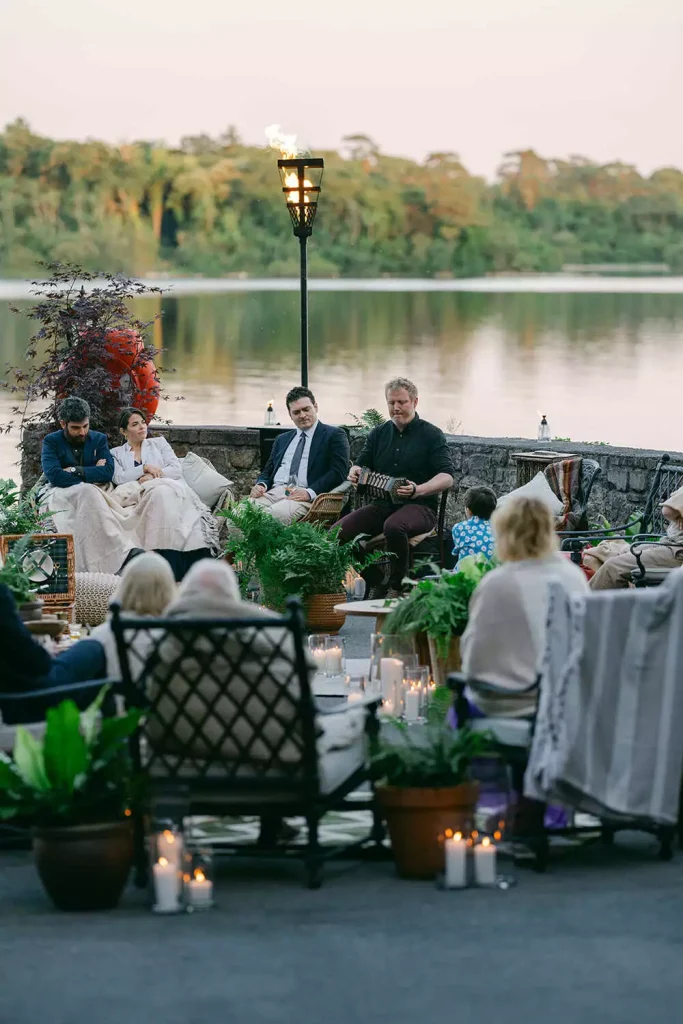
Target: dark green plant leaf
(65,751)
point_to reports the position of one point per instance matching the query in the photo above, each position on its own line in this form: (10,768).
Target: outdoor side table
(531,463)
(378,610)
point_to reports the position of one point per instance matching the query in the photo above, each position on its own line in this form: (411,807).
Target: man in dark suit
(305,462)
(76,454)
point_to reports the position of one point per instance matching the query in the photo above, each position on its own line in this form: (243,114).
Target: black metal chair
(232,727)
(513,737)
(649,526)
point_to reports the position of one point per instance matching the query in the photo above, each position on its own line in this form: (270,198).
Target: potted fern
(437,607)
(75,785)
(424,785)
(19,583)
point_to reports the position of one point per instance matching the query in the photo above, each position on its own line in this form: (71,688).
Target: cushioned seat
(510,732)
(94,591)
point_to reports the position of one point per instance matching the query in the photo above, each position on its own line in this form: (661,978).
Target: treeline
(214,207)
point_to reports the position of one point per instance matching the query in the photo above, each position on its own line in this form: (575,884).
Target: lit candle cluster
(457,849)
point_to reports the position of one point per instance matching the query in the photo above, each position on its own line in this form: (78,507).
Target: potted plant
(20,515)
(75,785)
(423,785)
(19,583)
(437,608)
(252,535)
(310,562)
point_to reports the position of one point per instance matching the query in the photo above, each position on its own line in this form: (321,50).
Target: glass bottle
(543,429)
(270,419)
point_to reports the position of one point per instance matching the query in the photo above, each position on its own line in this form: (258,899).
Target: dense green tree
(214,206)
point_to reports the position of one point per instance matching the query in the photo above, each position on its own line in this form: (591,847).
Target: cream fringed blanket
(107,522)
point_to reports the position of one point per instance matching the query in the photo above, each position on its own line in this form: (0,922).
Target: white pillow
(537,488)
(205,481)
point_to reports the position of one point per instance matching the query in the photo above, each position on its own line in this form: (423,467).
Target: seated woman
(28,666)
(505,635)
(147,587)
(169,517)
(504,641)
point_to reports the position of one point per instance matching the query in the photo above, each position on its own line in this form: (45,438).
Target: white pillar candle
(391,675)
(334,661)
(412,704)
(170,846)
(485,862)
(455,854)
(359,588)
(320,659)
(199,890)
(165,886)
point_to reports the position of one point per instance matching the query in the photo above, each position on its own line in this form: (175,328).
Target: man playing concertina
(410,447)
(305,462)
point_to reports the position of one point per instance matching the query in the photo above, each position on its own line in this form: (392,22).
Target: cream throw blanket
(107,522)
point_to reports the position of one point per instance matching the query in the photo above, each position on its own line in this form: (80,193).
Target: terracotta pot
(417,817)
(31,611)
(442,666)
(84,867)
(320,614)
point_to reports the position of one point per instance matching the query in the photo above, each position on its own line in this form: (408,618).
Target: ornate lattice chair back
(227,699)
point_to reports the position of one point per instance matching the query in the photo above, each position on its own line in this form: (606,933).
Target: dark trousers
(79,664)
(397,524)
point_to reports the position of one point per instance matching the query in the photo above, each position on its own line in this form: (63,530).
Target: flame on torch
(280,140)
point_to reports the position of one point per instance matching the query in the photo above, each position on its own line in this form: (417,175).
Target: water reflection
(594,362)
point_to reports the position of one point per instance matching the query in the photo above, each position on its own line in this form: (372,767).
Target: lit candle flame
(457,836)
(486,841)
(292,187)
(199,875)
(163,862)
(168,836)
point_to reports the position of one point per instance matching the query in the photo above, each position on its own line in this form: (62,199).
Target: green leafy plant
(367,421)
(79,773)
(14,576)
(633,527)
(440,757)
(308,560)
(440,607)
(253,536)
(20,515)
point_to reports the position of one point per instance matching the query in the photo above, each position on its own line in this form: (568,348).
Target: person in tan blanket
(614,562)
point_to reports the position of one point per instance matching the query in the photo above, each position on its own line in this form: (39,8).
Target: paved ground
(598,939)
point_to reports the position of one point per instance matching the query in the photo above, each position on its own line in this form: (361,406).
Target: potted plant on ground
(423,785)
(252,535)
(311,563)
(75,786)
(438,609)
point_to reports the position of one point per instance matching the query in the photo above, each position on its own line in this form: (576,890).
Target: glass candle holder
(166,849)
(390,654)
(415,693)
(335,656)
(199,881)
(317,645)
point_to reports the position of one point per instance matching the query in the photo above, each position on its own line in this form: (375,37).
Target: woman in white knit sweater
(505,635)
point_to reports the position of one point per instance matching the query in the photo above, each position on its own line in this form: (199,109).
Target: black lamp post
(301,177)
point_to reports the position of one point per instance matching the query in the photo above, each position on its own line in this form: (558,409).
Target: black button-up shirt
(418,452)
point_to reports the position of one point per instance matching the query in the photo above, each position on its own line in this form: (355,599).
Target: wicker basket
(320,614)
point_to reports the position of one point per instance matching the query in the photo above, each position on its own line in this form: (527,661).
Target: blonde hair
(147,585)
(524,528)
(397,383)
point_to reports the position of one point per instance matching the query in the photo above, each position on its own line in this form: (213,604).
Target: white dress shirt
(282,475)
(155,451)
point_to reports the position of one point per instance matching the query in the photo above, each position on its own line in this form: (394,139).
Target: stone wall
(621,487)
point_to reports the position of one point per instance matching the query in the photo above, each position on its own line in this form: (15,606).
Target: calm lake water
(603,366)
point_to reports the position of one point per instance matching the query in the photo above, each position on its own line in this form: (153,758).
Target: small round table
(376,609)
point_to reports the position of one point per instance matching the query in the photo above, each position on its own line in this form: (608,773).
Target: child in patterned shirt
(474,536)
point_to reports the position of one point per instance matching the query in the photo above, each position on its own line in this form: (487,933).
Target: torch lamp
(301,179)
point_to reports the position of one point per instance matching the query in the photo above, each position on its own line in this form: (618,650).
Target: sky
(597,78)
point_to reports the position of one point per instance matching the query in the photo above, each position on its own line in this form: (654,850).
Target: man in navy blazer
(76,454)
(305,462)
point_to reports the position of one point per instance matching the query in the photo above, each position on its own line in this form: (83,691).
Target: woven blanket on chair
(565,480)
